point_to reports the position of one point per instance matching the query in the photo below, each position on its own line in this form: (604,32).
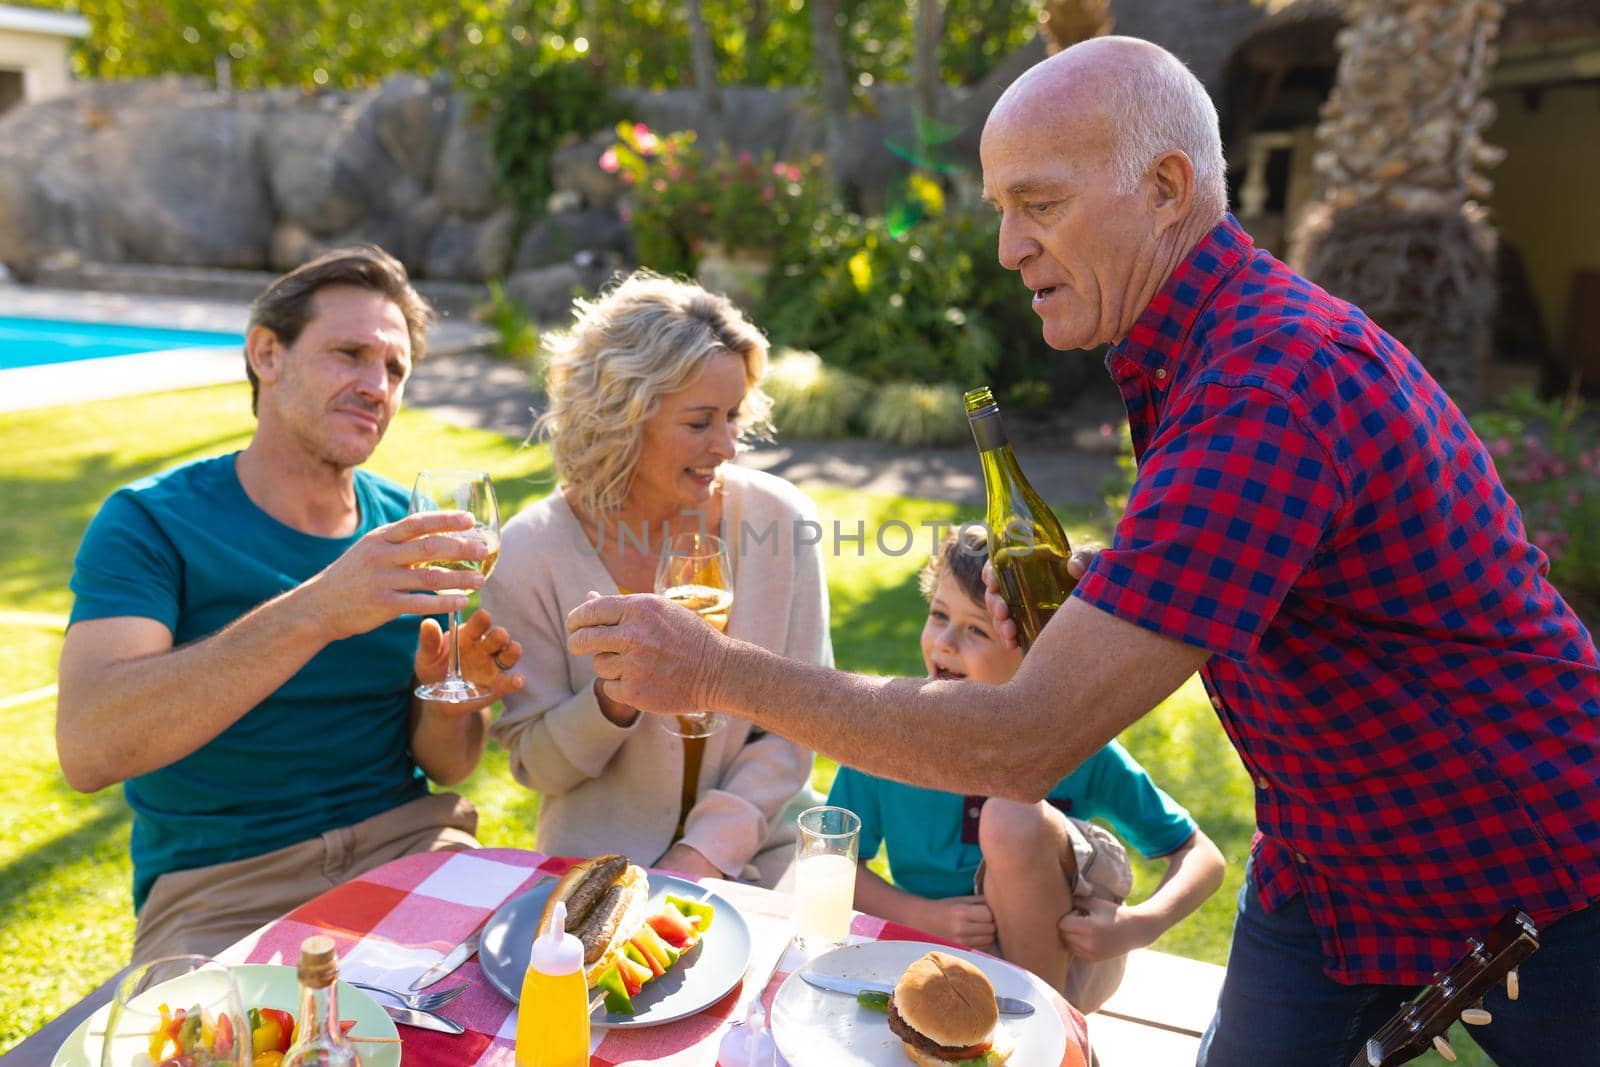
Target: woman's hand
(964,920)
(687,858)
(488,655)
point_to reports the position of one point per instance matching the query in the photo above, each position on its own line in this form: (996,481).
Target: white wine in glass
(472,492)
(694,571)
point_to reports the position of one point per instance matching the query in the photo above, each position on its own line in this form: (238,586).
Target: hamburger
(943,1011)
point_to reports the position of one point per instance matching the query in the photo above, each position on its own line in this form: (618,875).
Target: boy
(1028,881)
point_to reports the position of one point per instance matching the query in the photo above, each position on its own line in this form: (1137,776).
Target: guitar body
(1413,1029)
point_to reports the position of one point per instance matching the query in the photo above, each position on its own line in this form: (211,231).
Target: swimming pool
(39,342)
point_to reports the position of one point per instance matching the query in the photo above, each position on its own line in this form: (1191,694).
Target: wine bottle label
(987,429)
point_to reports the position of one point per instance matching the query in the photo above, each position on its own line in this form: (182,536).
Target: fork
(432,1000)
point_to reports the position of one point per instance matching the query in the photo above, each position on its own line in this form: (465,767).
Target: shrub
(534,108)
(809,398)
(516,337)
(1548,455)
(681,199)
(910,413)
(925,303)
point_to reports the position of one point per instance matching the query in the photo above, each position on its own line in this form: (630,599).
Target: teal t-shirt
(189,549)
(932,839)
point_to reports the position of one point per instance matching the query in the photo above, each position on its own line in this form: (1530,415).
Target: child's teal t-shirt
(330,748)
(932,835)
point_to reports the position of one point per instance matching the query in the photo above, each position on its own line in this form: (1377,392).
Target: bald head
(1120,101)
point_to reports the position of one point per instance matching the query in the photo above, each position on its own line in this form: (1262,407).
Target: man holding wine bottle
(244,638)
(1316,529)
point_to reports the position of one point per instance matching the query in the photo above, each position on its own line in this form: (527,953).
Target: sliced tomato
(634,975)
(346,1025)
(673,927)
(222,1038)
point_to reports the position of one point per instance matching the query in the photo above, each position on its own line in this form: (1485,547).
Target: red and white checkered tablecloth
(394,922)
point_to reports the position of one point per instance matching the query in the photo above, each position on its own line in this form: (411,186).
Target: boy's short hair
(962,555)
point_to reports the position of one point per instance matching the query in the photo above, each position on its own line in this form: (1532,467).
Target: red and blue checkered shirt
(1418,707)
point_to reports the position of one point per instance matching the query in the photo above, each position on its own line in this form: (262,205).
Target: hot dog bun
(607,900)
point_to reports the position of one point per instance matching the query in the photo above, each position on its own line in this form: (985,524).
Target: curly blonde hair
(646,337)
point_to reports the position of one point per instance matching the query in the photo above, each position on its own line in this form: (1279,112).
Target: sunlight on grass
(65,919)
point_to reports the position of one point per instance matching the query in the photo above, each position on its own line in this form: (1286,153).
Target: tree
(832,77)
(1398,229)
(704,60)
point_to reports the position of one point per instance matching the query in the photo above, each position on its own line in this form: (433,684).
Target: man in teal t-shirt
(246,634)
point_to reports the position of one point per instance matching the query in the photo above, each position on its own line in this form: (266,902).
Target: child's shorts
(1103,873)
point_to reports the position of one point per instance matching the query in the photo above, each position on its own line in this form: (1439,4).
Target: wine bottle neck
(987,430)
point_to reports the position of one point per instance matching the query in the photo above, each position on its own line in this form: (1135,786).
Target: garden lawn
(65,918)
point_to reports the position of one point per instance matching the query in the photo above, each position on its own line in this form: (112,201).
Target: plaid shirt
(1418,708)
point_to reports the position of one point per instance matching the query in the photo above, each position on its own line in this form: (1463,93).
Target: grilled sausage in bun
(943,1010)
(606,900)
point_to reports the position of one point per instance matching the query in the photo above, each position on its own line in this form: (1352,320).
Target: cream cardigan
(608,788)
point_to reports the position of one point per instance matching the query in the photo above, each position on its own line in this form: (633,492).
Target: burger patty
(917,1040)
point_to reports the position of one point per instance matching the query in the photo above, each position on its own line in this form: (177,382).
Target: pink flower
(1499,447)
(648,142)
(674,172)
(659,185)
(768,193)
(745,157)
(794,173)
(780,170)
(608,161)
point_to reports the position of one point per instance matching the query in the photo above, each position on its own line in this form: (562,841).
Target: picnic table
(427,903)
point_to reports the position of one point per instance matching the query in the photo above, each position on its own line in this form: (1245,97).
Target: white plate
(261,985)
(815,1028)
(702,978)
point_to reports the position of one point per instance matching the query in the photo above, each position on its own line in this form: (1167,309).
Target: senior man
(1315,528)
(245,640)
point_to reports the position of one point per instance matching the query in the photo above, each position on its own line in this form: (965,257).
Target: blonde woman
(652,391)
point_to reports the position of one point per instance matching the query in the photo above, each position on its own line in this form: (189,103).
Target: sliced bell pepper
(618,1000)
(698,913)
(272,1058)
(635,952)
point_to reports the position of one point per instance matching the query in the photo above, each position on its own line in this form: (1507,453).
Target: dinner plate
(815,1028)
(261,985)
(696,982)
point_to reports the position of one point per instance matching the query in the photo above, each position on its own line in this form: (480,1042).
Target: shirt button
(1262,783)
(1216,701)
(1161,374)
(972,813)
(1300,857)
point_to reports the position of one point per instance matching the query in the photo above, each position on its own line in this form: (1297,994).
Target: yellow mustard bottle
(553,1013)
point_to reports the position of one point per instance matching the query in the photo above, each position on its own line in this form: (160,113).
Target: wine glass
(694,571)
(472,492)
(184,1008)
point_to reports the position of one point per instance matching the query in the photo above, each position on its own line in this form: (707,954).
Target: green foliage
(924,302)
(1548,455)
(811,400)
(534,108)
(516,336)
(911,413)
(680,199)
(640,43)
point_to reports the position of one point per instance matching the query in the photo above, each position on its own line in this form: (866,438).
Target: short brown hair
(962,556)
(285,306)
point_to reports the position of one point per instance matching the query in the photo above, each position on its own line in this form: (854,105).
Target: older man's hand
(1004,624)
(648,652)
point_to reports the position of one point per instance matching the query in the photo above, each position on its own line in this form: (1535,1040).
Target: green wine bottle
(1027,546)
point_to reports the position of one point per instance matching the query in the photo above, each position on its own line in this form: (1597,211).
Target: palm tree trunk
(704,59)
(1398,229)
(833,81)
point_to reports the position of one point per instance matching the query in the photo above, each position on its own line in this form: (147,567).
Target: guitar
(1421,1024)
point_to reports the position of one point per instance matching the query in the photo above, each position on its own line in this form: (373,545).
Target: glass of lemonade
(825,877)
(695,571)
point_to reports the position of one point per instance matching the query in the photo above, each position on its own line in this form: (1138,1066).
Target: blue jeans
(1277,1008)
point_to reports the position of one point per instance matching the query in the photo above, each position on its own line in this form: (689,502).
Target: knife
(422,1020)
(452,959)
(852,986)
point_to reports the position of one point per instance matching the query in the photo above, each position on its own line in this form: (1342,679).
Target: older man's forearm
(957,736)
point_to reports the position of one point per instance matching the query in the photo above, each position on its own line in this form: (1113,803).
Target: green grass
(65,918)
